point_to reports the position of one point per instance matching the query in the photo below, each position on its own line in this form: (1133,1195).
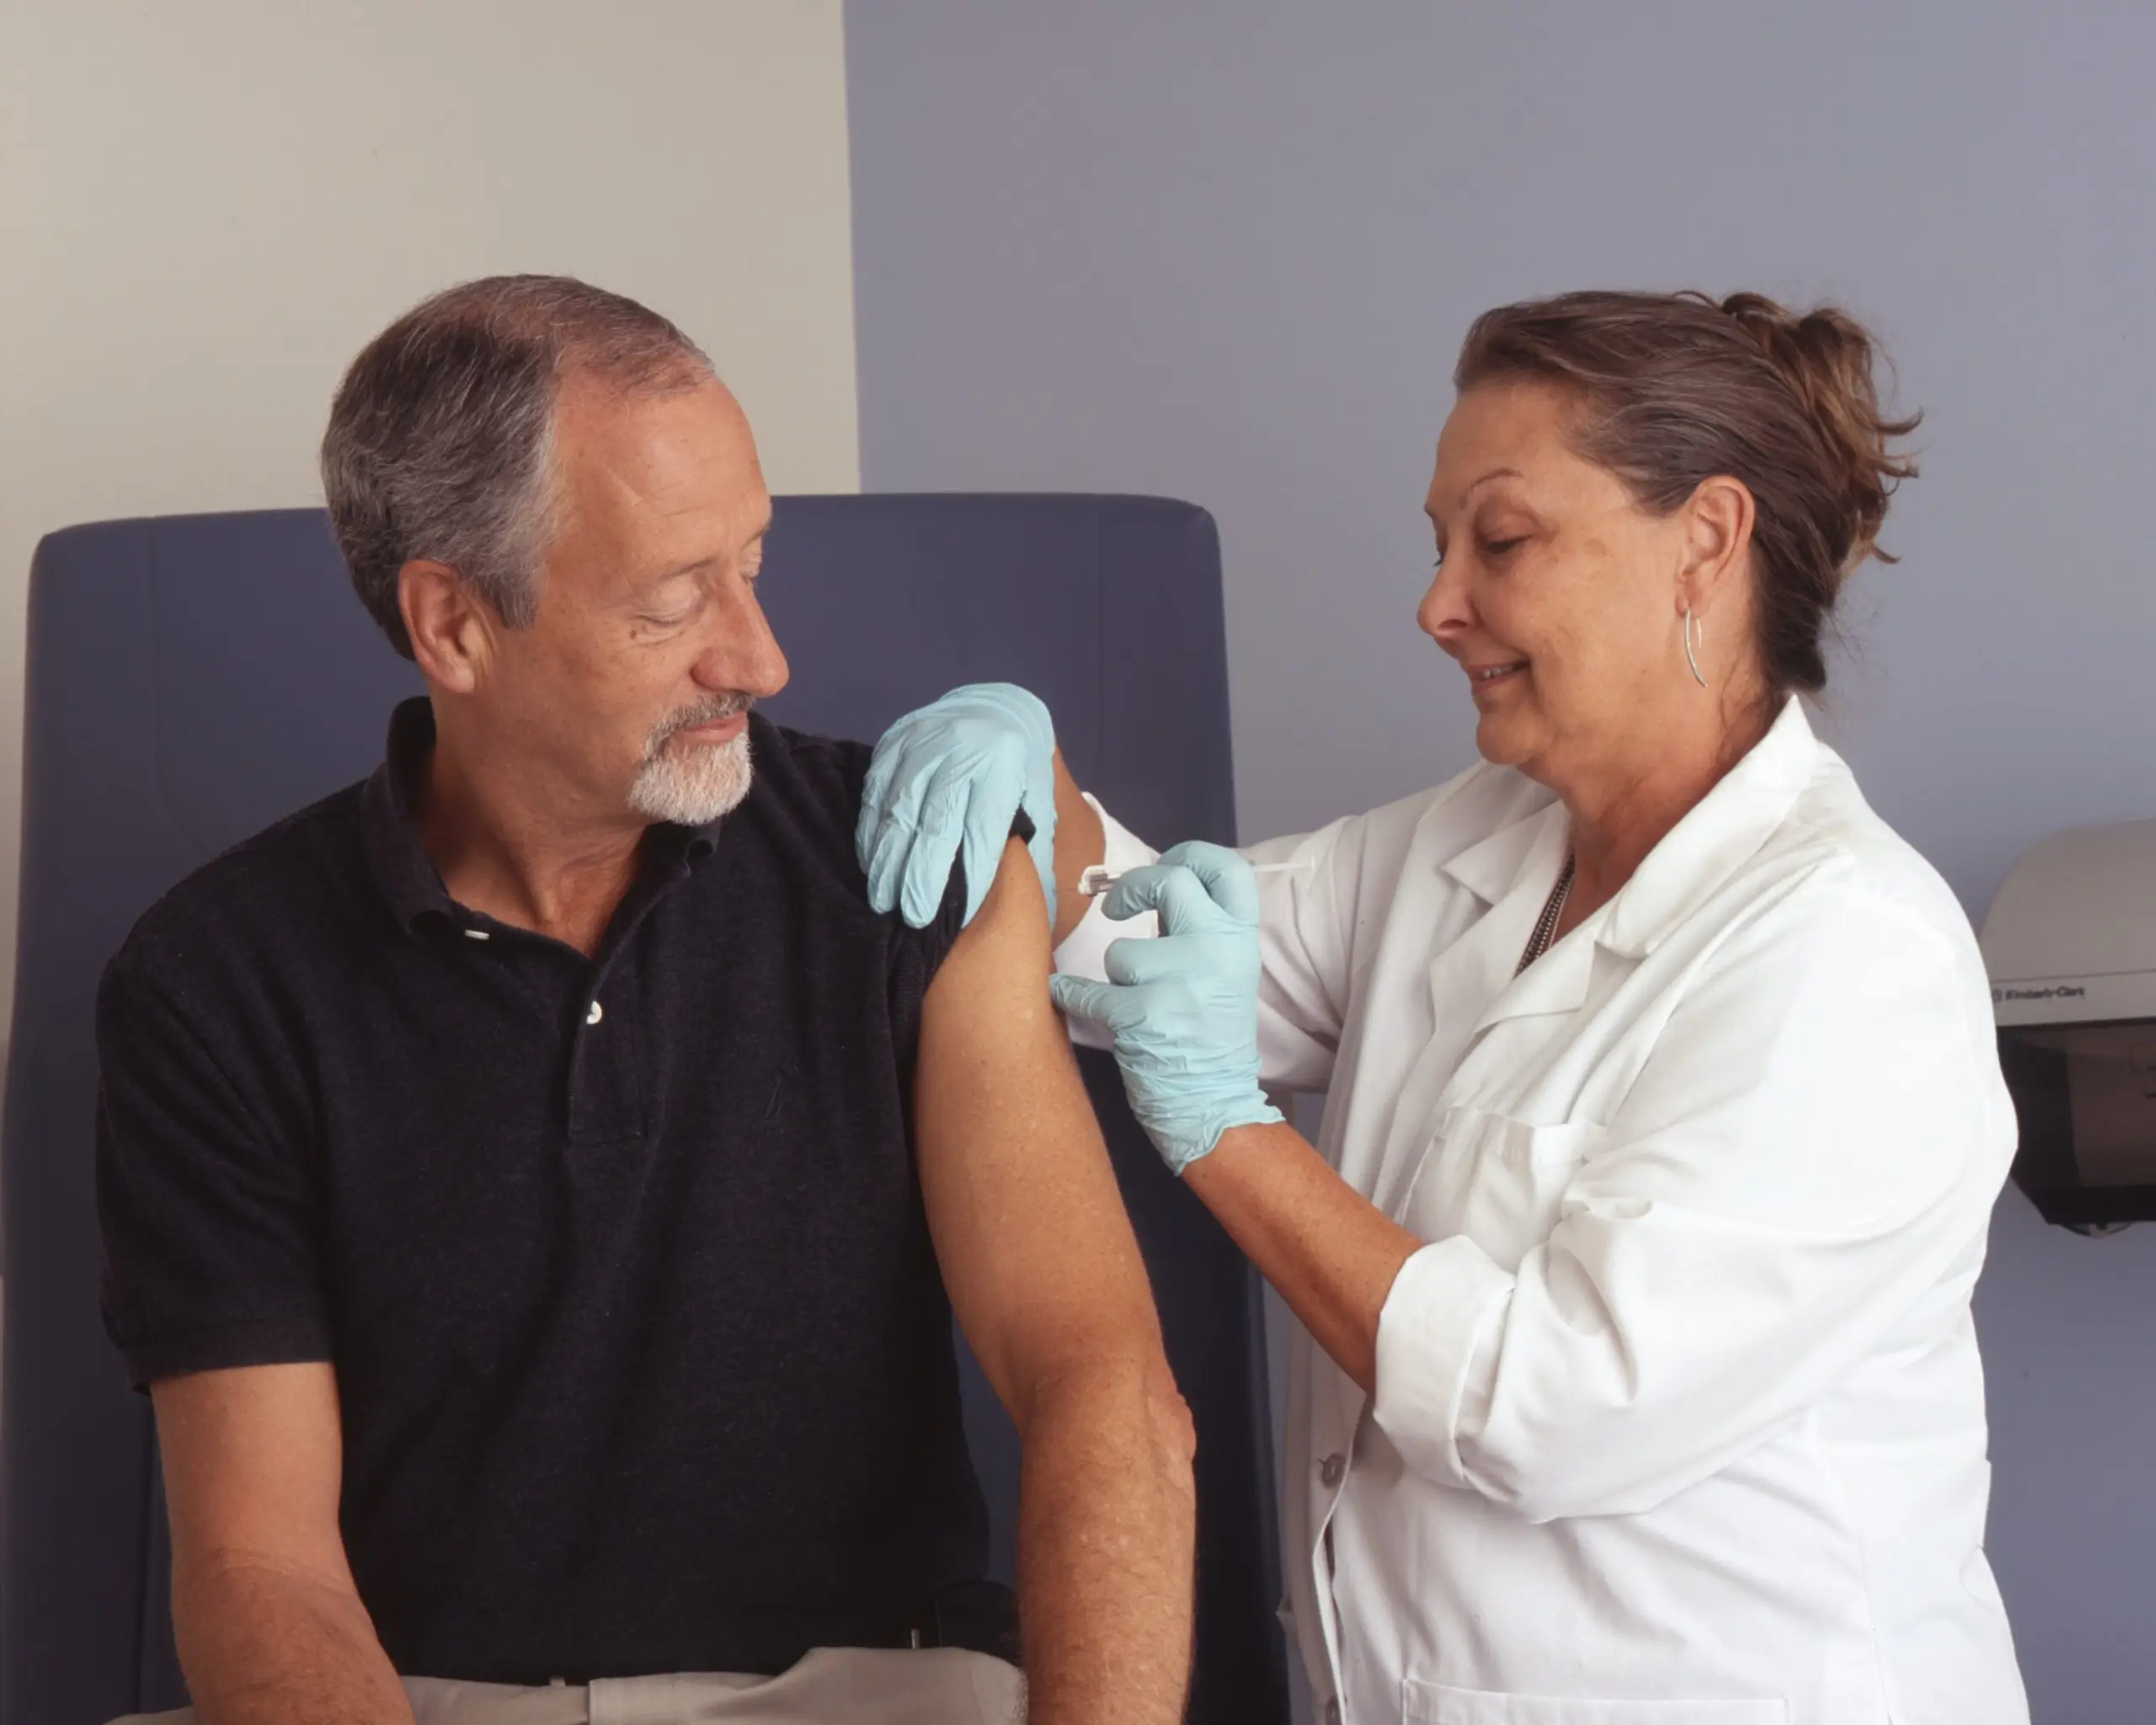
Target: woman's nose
(1445,612)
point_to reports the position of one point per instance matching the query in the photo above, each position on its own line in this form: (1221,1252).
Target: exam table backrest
(191,679)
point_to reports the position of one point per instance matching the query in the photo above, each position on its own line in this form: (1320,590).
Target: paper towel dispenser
(2071,947)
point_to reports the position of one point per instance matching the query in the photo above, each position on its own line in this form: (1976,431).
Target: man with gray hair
(536,1186)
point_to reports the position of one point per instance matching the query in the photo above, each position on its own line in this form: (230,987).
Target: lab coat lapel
(1693,861)
(1557,981)
(1512,871)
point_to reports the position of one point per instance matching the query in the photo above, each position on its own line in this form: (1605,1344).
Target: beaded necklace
(1545,926)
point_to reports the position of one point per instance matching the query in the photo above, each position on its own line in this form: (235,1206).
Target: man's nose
(742,653)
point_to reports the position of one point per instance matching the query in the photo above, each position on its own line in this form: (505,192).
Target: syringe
(1094,881)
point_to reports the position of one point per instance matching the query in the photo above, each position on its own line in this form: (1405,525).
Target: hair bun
(1825,356)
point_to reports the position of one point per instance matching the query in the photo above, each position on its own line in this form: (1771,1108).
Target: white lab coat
(1680,1416)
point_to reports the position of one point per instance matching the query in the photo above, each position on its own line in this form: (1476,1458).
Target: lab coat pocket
(1440,1703)
(1499,1182)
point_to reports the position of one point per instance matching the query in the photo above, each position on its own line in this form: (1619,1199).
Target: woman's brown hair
(1677,388)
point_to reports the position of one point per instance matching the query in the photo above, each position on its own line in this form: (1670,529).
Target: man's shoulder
(259,895)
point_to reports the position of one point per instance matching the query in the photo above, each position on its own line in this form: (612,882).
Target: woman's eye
(1501,547)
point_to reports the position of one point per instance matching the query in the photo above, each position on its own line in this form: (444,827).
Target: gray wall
(1225,249)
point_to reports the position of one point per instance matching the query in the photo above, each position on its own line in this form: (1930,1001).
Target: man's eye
(1501,547)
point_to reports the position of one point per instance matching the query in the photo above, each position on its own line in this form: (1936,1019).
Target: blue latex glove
(951,778)
(1183,1008)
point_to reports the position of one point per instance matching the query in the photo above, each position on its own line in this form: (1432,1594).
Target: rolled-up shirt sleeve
(1803,1166)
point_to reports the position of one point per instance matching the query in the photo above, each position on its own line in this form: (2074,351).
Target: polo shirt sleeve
(211,1228)
(918,953)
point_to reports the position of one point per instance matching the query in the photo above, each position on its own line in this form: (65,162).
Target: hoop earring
(1689,659)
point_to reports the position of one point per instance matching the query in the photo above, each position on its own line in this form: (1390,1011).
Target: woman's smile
(1484,678)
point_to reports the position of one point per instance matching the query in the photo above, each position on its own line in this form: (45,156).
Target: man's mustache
(709,712)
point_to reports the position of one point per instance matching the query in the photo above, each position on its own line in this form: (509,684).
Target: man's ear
(450,628)
(1719,517)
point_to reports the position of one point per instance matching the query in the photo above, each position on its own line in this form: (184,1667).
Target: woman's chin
(1501,738)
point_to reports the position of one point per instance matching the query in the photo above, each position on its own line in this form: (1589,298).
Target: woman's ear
(1719,517)
(451,630)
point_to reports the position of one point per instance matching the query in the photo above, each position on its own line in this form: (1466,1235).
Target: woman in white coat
(1637,1381)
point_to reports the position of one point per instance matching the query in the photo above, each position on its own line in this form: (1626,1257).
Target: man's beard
(692,784)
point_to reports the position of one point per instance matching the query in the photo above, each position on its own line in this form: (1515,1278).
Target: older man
(531,1178)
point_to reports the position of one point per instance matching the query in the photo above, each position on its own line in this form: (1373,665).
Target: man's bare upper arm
(254,1462)
(1036,1250)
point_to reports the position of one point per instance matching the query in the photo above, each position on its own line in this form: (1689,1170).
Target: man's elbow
(1175,1432)
(1126,1396)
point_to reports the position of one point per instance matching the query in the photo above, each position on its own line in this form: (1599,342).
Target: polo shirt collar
(403,872)
(401,869)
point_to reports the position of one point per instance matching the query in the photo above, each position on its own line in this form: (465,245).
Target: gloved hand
(951,778)
(1183,1008)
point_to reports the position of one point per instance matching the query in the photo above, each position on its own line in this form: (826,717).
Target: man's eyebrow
(697,568)
(703,564)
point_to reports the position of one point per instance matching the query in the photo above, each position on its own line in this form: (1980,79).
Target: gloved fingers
(891,762)
(1101,1003)
(886,868)
(1013,706)
(1037,774)
(1135,892)
(1041,847)
(1139,964)
(939,835)
(890,759)
(1178,895)
(990,811)
(903,853)
(1226,877)
(898,824)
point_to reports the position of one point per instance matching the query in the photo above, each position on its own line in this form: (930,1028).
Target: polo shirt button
(595,1014)
(1332,1469)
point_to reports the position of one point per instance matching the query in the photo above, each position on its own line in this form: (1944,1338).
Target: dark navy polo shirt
(645,1362)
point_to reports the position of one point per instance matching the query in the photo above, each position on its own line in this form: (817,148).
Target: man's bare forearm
(265,1645)
(1107,1525)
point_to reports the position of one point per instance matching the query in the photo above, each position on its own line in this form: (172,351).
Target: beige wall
(207,206)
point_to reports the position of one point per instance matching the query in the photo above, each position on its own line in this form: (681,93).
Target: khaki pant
(831,1686)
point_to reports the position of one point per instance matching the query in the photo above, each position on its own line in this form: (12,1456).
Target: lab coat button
(1332,1469)
(1332,1712)
(595,1014)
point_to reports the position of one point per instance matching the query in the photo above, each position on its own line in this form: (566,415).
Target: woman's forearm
(1331,1253)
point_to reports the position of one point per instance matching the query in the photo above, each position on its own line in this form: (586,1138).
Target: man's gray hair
(441,439)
